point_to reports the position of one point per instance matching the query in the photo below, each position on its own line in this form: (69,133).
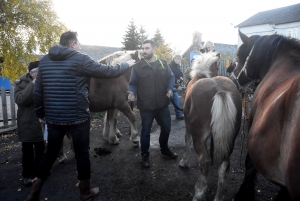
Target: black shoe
(180,117)
(169,153)
(145,161)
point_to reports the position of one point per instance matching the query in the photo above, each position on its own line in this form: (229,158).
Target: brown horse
(111,95)
(212,109)
(274,127)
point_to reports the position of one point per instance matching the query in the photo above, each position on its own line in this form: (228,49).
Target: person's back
(61,99)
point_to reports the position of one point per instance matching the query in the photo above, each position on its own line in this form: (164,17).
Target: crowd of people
(55,91)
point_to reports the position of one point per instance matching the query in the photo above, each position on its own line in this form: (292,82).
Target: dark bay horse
(274,127)
(212,109)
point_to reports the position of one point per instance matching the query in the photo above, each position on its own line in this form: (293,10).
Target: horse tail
(223,125)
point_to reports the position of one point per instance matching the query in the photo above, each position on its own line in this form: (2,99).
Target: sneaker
(169,153)
(180,117)
(27,181)
(145,161)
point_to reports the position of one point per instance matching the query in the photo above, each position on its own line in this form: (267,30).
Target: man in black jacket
(152,81)
(175,67)
(61,99)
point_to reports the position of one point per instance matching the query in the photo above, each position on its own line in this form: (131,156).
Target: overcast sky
(105,22)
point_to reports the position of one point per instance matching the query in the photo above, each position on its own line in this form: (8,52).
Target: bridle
(244,69)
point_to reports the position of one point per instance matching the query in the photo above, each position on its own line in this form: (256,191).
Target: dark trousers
(163,119)
(80,134)
(32,155)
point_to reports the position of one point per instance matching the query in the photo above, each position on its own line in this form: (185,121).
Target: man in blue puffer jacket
(61,99)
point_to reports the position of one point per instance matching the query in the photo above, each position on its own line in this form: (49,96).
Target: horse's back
(275,126)
(199,101)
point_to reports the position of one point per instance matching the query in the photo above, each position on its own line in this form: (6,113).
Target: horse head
(239,74)
(137,56)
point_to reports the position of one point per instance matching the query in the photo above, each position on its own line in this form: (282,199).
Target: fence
(8,107)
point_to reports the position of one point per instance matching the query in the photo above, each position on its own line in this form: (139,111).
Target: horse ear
(245,39)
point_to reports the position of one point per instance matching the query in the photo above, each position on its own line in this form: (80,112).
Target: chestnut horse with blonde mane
(274,127)
(110,95)
(212,109)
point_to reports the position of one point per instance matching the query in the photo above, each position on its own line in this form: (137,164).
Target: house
(284,21)
(227,52)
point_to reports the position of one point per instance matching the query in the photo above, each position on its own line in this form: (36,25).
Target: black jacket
(176,71)
(152,85)
(62,84)
(29,127)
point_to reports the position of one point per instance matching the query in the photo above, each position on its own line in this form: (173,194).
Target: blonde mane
(202,63)
(117,57)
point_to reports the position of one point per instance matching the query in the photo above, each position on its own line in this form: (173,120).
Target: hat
(33,65)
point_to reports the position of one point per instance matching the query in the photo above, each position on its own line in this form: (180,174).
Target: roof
(219,47)
(225,48)
(98,52)
(276,16)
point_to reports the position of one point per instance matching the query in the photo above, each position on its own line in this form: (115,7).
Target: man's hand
(131,96)
(131,62)
(169,94)
(42,120)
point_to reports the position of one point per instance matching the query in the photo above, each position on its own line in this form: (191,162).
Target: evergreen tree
(143,35)
(131,38)
(158,39)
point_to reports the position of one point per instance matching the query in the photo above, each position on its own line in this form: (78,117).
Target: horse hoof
(118,134)
(135,140)
(114,142)
(62,159)
(182,164)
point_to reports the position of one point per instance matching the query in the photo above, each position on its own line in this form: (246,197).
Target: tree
(158,39)
(26,27)
(164,51)
(143,35)
(131,38)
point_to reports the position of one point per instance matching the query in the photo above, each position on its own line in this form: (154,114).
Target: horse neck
(127,74)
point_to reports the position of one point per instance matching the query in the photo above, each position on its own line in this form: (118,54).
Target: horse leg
(246,191)
(62,157)
(112,116)
(134,135)
(222,170)
(105,131)
(188,145)
(204,163)
(70,141)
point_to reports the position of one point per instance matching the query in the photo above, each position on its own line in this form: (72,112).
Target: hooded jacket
(62,84)
(29,127)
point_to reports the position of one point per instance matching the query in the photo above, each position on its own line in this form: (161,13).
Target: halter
(244,69)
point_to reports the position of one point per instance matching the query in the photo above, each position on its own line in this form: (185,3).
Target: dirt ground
(119,174)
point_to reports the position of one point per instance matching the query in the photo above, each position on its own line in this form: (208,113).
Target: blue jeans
(80,134)
(163,119)
(176,101)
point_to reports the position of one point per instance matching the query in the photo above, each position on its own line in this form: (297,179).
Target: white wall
(267,29)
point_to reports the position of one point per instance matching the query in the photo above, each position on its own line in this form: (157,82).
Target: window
(292,33)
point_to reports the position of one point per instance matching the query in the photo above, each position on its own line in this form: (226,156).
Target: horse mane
(117,57)
(202,63)
(270,47)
